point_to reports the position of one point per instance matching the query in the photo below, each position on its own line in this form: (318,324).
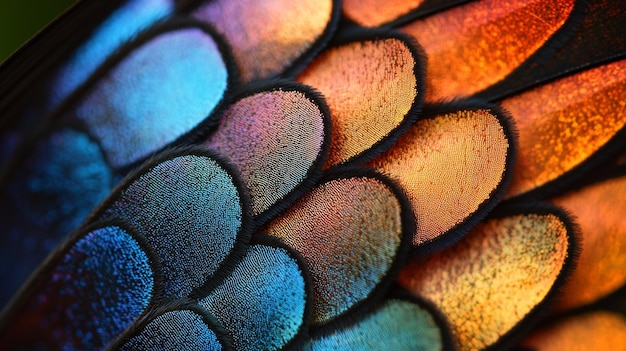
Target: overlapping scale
(121,26)
(473,46)
(372,13)
(183,330)
(375,13)
(50,193)
(190,209)
(158,92)
(599,210)
(263,303)
(349,230)
(598,19)
(563,123)
(595,330)
(84,297)
(373,89)
(275,138)
(451,166)
(496,277)
(395,325)
(268,37)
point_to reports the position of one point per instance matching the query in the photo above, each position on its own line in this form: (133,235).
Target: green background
(21,19)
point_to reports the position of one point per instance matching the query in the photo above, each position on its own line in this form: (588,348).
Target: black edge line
(353,313)
(412,115)
(456,233)
(295,343)
(39,277)
(541,310)
(183,304)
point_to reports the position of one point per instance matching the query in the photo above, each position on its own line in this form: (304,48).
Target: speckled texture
(396,325)
(369,86)
(190,212)
(372,13)
(558,131)
(181,330)
(96,290)
(262,303)
(511,263)
(598,330)
(599,210)
(448,166)
(267,36)
(273,138)
(160,91)
(348,232)
(476,45)
(49,195)
(121,26)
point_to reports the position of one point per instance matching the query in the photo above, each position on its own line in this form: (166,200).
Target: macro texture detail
(316,175)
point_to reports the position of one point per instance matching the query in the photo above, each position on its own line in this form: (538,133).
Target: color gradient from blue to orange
(261,213)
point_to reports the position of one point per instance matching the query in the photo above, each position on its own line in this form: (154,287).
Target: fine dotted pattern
(396,325)
(370,87)
(97,289)
(262,303)
(448,166)
(512,263)
(558,131)
(52,191)
(181,76)
(182,330)
(348,231)
(473,46)
(190,212)
(263,48)
(273,138)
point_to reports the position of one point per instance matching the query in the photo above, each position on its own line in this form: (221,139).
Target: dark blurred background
(21,19)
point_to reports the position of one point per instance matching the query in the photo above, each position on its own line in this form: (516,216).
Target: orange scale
(373,13)
(267,37)
(563,123)
(371,88)
(591,331)
(473,46)
(599,210)
(495,277)
(449,166)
